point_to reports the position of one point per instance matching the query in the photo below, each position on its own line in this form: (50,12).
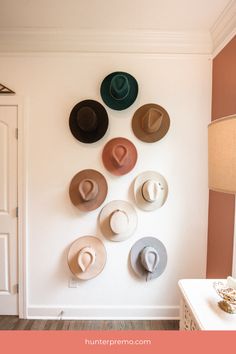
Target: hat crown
(88,189)
(150,190)
(119,87)
(87,119)
(149,258)
(152,120)
(86,258)
(119,222)
(119,155)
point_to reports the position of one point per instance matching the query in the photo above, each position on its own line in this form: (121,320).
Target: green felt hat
(119,90)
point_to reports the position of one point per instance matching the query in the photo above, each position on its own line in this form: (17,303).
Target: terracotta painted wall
(221,205)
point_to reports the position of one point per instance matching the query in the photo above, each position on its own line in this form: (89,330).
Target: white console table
(199,308)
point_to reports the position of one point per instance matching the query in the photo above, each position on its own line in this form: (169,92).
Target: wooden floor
(14,323)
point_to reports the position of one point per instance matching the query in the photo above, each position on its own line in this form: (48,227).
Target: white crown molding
(136,41)
(103,312)
(224,29)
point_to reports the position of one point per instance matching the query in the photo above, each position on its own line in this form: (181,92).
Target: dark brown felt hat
(88,190)
(150,122)
(88,121)
(119,156)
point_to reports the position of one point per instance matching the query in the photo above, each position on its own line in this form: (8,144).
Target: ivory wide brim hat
(135,257)
(119,156)
(94,265)
(91,126)
(150,123)
(88,190)
(105,220)
(162,190)
(113,82)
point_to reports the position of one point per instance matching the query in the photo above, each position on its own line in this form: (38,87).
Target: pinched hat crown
(88,189)
(87,119)
(150,190)
(149,258)
(152,120)
(86,258)
(119,87)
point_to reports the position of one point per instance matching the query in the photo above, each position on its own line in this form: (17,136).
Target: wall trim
(104,312)
(132,41)
(224,29)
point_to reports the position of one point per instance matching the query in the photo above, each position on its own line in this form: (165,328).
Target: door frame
(22,176)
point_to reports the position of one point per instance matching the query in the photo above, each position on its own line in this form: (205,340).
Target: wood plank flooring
(14,323)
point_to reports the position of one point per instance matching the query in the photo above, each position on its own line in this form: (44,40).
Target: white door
(8,211)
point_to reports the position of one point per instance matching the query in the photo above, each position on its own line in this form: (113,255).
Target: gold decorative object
(228,294)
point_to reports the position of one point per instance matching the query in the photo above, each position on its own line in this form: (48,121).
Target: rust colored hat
(150,123)
(119,156)
(87,257)
(88,190)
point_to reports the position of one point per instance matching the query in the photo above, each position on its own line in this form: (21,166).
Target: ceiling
(157,15)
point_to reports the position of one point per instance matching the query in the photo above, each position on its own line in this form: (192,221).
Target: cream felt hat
(150,190)
(148,258)
(118,220)
(87,257)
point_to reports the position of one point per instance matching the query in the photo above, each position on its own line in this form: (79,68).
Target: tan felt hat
(118,220)
(87,257)
(119,156)
(150,123)
(88,190)
(150,190)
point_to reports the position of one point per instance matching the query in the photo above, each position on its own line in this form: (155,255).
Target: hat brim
(138,196)
(135,260)
(89,137)
(113,103)
(137,124)
(100,259)
(104,220)
(102,190)
(107,156)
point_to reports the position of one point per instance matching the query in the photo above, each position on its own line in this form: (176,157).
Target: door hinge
(17,288)
(17,133)
(17,212)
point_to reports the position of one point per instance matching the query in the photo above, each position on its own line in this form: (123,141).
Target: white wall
(54,83)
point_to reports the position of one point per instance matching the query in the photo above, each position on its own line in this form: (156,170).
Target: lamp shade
(222,155)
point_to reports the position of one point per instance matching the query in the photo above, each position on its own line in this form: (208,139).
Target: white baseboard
(104,312)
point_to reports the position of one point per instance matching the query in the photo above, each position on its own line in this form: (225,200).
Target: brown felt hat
(150,123)
(119,156)
(87,257)
(88,190)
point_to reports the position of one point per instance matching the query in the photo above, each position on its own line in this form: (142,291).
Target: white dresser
(199,308)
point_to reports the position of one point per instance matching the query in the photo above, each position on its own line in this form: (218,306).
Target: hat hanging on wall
(150,190)
(118,220)
(150,123)
(88,121)
(119,90)
(87,257)
(88,190)
(148,258)
(119,156)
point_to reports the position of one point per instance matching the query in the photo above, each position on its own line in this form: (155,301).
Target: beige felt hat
(118,220)
(150,122)
(88,190)
(87,257)
(150,190)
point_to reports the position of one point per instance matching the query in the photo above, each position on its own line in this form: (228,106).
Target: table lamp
(222,161)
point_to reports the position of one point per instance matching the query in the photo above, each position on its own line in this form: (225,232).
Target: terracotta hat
(88,121)
(148,258)
(88,190)
(150,123)
(150,190)
(119,90)
(87,257)
(119,156)
(118,220)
